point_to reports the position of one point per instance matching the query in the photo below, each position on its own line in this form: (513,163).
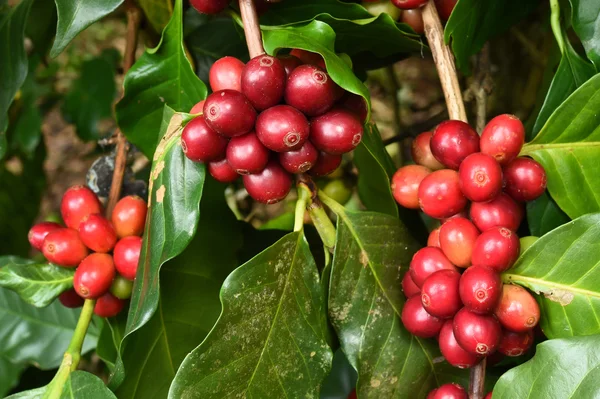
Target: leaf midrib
(530,148)
(507,277)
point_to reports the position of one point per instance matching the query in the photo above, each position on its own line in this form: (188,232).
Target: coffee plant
(299,199)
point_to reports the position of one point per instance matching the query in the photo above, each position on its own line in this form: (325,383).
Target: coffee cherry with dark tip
(502,211)
(228,112)
(326,164)
(77,203)
(516,344)
(308,57)
(94,276)
(289,62)
(444,8)
(282,128)
(39,231)
(496,248)
(439,294)
(222,171)
(209,6)
(405,185)
(480,177)
(269,186)
(355,104)
(418,321)
(440,195)
(525,179)
(246,154)
(427,261)
(452,351)
(452,141)
(108,305)
(409,287)
(480,289)
(200,143)
(457,239)
(64,247)
(129,216)
(263,81)
(336,132)
(421,152)
(226,74)
(127,256)
(97,233)
(503,138)
(414,19)
(517,310)
(70,299)
(310,90)
(300,160)
(477,334)
(450,391)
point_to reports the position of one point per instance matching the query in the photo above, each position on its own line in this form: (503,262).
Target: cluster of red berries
(86,242)
(245,129)
(473,314)
(409,11)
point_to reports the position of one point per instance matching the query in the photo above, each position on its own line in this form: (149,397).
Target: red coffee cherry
(431,394)
(226,74)
(197,108)
(409,287)
(39,231)
(427,261)
(444,8)
(355,104)
(439,194)
(336,132)
(439,294)
(525,179)
(200,143)
(222,171)
(326,164)
(451,350)
(452,141)
(417,321)
(450,391)
(97,233)
(480,177)
(94,276)
(434,238)
(457,238)
(263,81)
(502,211)
(308,57)
(489,394)
(63,247)
(408,4)
(300,160)
(310,90)
(127,256)
(282,128)
(517,310)
(129,216)
(503,138)
(480,289)
(77,203)
(108,305)
(497,248)
(405,185)
(477,334)
(209,6)
(414,19)
(228,112)
(515,344)
(269,186)
(289,62)
(70,299)
(421,152)
(246,154)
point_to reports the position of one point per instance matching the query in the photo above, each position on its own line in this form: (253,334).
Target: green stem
(555,23)
(73,354)
(303,195)
(320,219)
(330,202)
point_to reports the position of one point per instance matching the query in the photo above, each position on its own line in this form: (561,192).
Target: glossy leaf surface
(586,23)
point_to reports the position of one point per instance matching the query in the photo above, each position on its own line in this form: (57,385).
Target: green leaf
(358,32)
(36,284)
(474,22)
(365,302)
(161,76)
(543,215)
(76,15)
(80,384)
(572,72)
(317,37)
(375,170)
(270,338)
(9,375)
(568,148)
(561,368)
(13,67)
(41,26)
(341,380)
(157,12)
(110,338)
(29,335)
(586,23)
(563,268)
(91,97)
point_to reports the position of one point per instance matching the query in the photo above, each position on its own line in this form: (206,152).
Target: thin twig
(444,62)
(477,380)
(481,86)
(315,209)
(134,18)
(251,28)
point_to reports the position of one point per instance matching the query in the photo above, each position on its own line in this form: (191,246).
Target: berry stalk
(251,28)
(317,213)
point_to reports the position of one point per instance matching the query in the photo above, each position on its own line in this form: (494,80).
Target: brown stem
(251,28)
(480,87)
(477,380)
(134,17)
(444,62)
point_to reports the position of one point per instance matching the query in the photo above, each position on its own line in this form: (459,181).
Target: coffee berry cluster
(104,252)
(476,187)
(271,118)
